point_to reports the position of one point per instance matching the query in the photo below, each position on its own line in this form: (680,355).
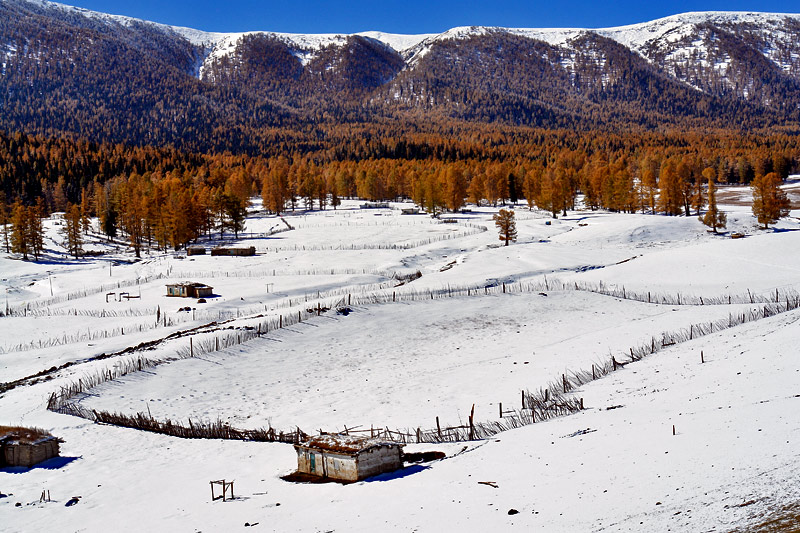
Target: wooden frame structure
(225,486)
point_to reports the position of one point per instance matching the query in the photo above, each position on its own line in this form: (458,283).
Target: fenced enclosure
(554,400)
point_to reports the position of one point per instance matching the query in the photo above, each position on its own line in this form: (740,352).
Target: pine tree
(714,218)
(5,220)
(235,214)
(19,230)
(506,225)
(72,230)
(770,203)
(85,214)
(455,187)
(670,191)
(35,227)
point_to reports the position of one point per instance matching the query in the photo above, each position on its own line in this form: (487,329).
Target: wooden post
(673,429)
(501,409)
(581,404)
(523,399)
(438,428)
(594,377)
(691,331)
(191,348)
(564,382)
(472,423)
(702,360)
(280,322)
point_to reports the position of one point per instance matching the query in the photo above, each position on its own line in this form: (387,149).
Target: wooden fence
(536,406)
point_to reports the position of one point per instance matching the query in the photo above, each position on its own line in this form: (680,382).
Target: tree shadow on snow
(56,463)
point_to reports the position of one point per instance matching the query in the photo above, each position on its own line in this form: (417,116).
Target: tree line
(163,198)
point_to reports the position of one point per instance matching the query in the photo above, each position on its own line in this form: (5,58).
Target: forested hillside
(121,80)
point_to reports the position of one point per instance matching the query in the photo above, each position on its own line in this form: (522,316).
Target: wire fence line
(470,229)
(554,400)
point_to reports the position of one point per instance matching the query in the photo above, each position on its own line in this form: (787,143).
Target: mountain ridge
(117,78)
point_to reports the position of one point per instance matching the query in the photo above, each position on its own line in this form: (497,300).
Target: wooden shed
(347,458)
(188,289)
(244,251)
(196,250)
(26,446)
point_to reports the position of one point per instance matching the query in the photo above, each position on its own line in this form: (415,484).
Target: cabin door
(313,462)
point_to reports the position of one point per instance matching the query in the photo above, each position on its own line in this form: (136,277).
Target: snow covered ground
(731,463)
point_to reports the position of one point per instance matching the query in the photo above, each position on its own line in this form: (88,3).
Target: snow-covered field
(732,462)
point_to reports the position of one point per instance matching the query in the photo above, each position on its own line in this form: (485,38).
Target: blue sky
(410,16)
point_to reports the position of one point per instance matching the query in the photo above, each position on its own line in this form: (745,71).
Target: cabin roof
(188,284)
(23,435)
(345,444)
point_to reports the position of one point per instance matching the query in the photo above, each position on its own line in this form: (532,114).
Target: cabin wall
(29,454)
(327,464)
(378,461)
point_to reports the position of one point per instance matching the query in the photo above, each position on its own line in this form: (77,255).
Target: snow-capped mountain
(727,69)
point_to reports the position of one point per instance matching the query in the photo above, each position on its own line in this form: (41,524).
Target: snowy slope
(732,461)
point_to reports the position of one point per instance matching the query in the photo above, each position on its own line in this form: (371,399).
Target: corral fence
(554,400)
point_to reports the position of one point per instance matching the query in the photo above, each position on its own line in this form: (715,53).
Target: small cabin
(188,289)
(238,252)
(410,211)
(374,205)
(196,250)
(26,446)
(347,458)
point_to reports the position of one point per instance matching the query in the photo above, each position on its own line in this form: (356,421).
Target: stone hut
(245,251)
(26,446)
(188,289)
(347,458)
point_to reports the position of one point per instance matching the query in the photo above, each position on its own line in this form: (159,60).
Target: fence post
(472,423)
